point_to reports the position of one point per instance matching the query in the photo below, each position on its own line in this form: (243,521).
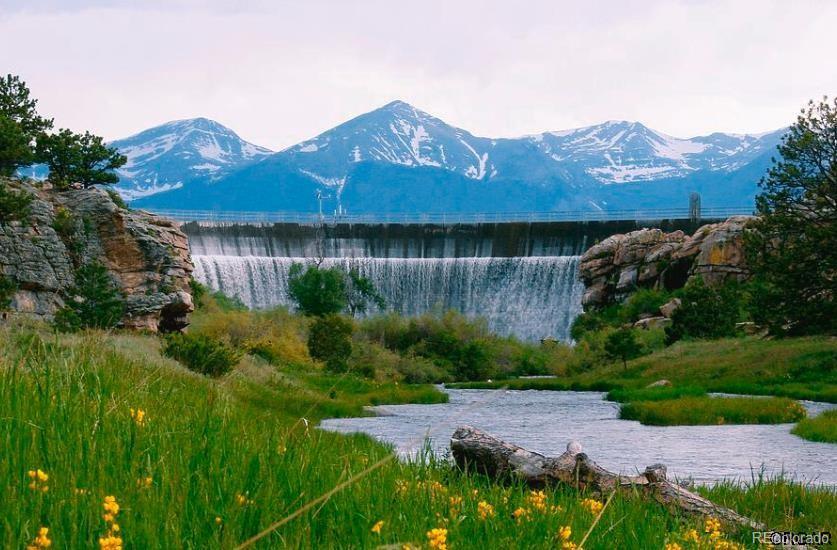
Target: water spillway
(522,278)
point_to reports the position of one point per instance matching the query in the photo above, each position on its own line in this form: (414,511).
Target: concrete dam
(521,277)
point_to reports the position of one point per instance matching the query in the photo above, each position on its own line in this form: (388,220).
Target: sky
(279,72)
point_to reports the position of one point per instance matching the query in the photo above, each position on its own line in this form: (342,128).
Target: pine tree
(20,125)
(793,250)
(79,159)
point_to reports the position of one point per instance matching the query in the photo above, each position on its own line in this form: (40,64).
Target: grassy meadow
(693,411)
(210,463)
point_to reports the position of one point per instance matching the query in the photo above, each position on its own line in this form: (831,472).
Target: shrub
(706,311)
(8,288)
(645,301)
(14,205)
(330,341)
(93,302)
(201,354)
(117,198)
(622,344)
(274,335)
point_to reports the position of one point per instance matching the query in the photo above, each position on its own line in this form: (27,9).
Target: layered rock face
(650,258)
(147,256)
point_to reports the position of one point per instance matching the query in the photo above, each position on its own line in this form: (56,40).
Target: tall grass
(692,411)
(213,462)
(822,427)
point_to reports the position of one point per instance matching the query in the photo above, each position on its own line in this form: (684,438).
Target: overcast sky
(279,72)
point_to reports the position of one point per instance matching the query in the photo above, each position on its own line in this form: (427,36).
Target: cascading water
(531,298)
(523,278)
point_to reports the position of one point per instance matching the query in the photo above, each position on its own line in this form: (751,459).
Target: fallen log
(476,450)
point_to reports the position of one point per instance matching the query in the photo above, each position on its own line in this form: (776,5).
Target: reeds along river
(524,282)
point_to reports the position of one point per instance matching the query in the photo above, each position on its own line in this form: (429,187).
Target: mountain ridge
(400,158)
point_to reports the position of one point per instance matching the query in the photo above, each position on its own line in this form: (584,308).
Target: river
(545,421)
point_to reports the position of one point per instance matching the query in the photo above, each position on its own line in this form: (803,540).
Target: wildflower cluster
(537,499)
(40,541)
(711,538)
(438,538)
(38,480)
(138,417)
(564,533)
(591,505)
(112,539)
(485,510)
(145,482)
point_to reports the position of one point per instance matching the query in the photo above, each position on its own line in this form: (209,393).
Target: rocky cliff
(147,256)
(650,258)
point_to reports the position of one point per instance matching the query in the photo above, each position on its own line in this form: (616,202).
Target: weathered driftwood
(477,450)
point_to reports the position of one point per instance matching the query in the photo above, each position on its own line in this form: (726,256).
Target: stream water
(545,421)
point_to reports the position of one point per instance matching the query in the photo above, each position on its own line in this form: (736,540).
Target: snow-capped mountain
(621,151)
(174,154)
(400,159)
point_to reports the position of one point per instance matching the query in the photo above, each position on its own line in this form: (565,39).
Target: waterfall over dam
(522,278)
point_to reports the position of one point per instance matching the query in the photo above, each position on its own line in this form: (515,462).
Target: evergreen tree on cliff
(79,159)
(793,252)
(20,125)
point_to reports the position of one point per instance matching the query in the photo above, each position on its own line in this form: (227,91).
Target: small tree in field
(20,125)
(330,341)
(79,158)
(792,249)
(623,345)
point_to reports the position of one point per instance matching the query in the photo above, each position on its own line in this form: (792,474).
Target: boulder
(650,258)
(652,322)
(668,308)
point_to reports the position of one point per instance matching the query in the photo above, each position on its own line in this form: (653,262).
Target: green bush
(706,311)
(14,205)
(93,302)
(201,354)
(645,301)
(623,345)
(7,291)
(330,341)
(117,198)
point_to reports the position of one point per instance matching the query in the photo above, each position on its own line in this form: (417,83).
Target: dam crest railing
(446,218)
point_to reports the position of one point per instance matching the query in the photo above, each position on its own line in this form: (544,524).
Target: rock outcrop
(651,258)
(146,255)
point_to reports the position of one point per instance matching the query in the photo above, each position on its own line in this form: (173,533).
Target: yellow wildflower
(218,520)
(673,546)
(520,513)
(110,542)
(592,505)
(39,480)
(377,527)
(485,510)
(712,525)
(691,536)
(565,532)
(111,506)
(538,500)
(145,482)
(242,499)
(401,486)
(568,545)
(455,504)
(138,416)
(42,540)
(80,491)
(437,538)
(556,508)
